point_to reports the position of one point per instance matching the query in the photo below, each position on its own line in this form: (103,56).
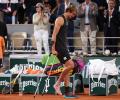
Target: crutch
(48,75)
(42,75)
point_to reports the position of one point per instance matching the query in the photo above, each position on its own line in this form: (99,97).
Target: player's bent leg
(57,89)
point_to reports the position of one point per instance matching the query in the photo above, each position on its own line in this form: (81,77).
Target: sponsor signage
(28,83)
(46,84)
(23,62)
(4,80)
(107,85)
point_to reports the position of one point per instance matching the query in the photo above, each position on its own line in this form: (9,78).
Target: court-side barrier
(21,60)
(28,83)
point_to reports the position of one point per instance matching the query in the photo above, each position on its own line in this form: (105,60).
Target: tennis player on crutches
(59,48)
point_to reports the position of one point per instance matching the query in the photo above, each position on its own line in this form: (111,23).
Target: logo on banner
(28,83)
(112,82)
(47,84)
(70,84)
(4,82)
(97,84)
(25,66)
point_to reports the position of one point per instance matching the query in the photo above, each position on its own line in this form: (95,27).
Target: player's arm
(58,23)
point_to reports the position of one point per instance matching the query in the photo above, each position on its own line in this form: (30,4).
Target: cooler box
(4,80)
(107,85)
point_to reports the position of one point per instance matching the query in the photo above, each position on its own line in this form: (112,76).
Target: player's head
(71,11)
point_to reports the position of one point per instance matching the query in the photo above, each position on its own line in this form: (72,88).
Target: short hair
(71,8)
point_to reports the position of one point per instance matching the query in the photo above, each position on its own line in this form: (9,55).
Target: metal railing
(30,47)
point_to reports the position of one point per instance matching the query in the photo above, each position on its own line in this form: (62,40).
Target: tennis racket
(9,87)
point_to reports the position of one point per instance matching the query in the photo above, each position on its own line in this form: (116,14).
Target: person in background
(70,28)
(1,15)
(111,28)
(52,3)
(55,12)
(10,12)
(61,7)
(40,21)
(30,10)
(87,11)
(3,29)
(4,38)
(80,1)
(2,49)
(4,32)
(47,7)
(21,12)
(59,48)
(102,5)
(118,9)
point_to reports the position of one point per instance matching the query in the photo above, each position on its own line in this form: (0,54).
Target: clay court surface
(84,96)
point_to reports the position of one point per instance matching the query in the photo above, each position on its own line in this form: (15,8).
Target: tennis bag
(78,65)
(54,67)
